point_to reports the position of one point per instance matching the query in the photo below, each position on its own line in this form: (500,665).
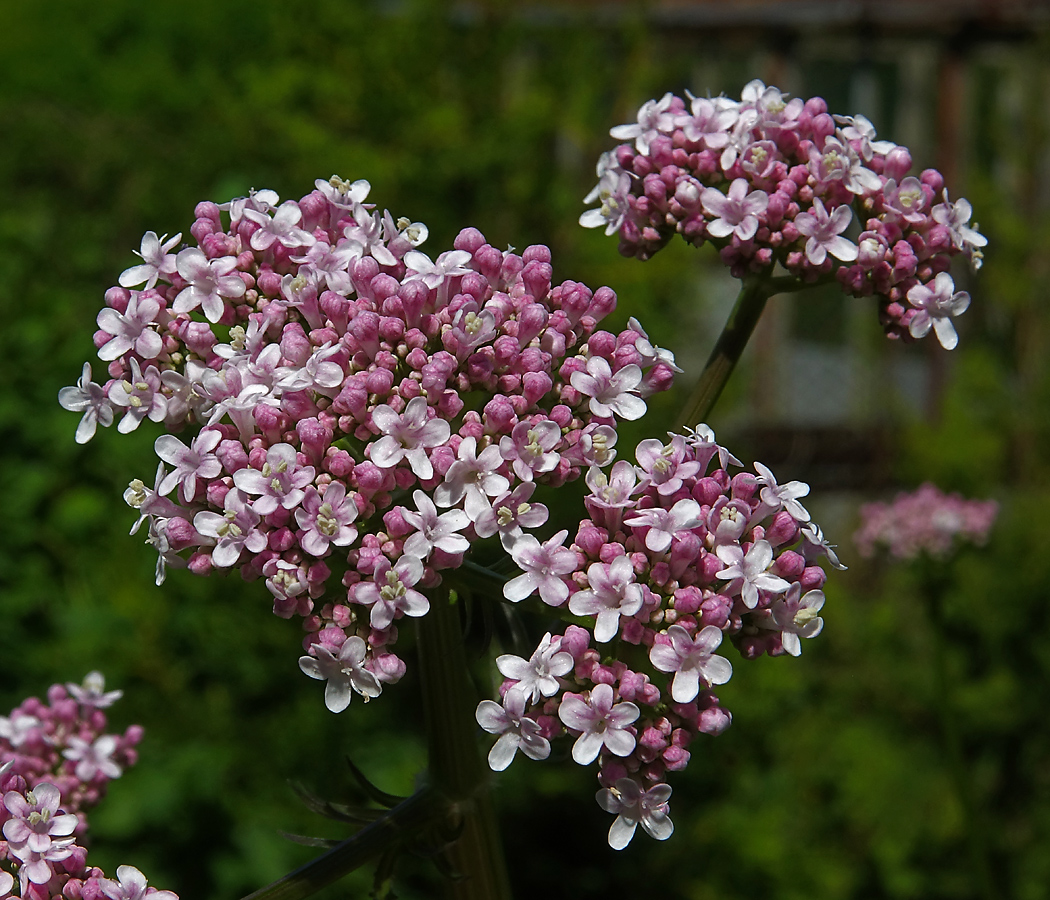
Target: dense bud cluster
(55,763)
(774,182)
(924,521)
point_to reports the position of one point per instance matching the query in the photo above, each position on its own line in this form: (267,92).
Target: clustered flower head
(677,556)
(55,763)
(773,181)
(348,415)
(924,521)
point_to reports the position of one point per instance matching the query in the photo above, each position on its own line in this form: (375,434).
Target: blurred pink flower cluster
(55,763)
(924,521)
(773,181)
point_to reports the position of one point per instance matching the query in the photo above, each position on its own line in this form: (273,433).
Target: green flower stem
(455,766)
(455,803)
(934,587)
(750,302)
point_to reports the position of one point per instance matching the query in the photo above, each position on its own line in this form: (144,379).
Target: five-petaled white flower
(634,806)
(342,672)
(390,591)
(515,729)
(692,660)
(936,305)
(601,722)
(749,573)
(543,565)
(736,213)
(612,593)
(538,675)
(407,436)
(610,393)
(156,261)
(90,399)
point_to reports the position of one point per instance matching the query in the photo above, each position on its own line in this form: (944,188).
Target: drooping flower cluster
(353,414)
(677,556)
(775,181)
(924,521)
(55,763)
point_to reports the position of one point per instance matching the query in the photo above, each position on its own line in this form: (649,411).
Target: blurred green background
(118,117)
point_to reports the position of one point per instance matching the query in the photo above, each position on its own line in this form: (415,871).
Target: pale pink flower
(35,866)
(156,261)
(710,122)
(601,722)
(782,496)
(665,465)
(140,396)
(795,616)
(472,478)
(837,161)
(283,227)
(749,573)
(633,806)
(131,885)
(344,673)
(17,729)
(654,118)
(93,759)
(664,524)
(92,693)
(543,565)
(936,305)
(515,729)
(193,462)
(956,218)
(529,448)
(612,592)
(538,675)
(131,329)
(825,233)
(612,190)
(343,195)
(90,399)
(610,394)
(326,519)
(35,819)
(407,436)
(390,592)
(434,531)
(692,660)
(235,531)
(209,283)
(736,213)
(510,514)
(906,201)
(279,483)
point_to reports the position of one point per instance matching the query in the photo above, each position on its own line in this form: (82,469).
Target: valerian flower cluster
(55,762)
(675,557)
(350,416)
(777,182)
(924,521)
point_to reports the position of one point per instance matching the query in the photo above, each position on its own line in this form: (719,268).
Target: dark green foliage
(119,116)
